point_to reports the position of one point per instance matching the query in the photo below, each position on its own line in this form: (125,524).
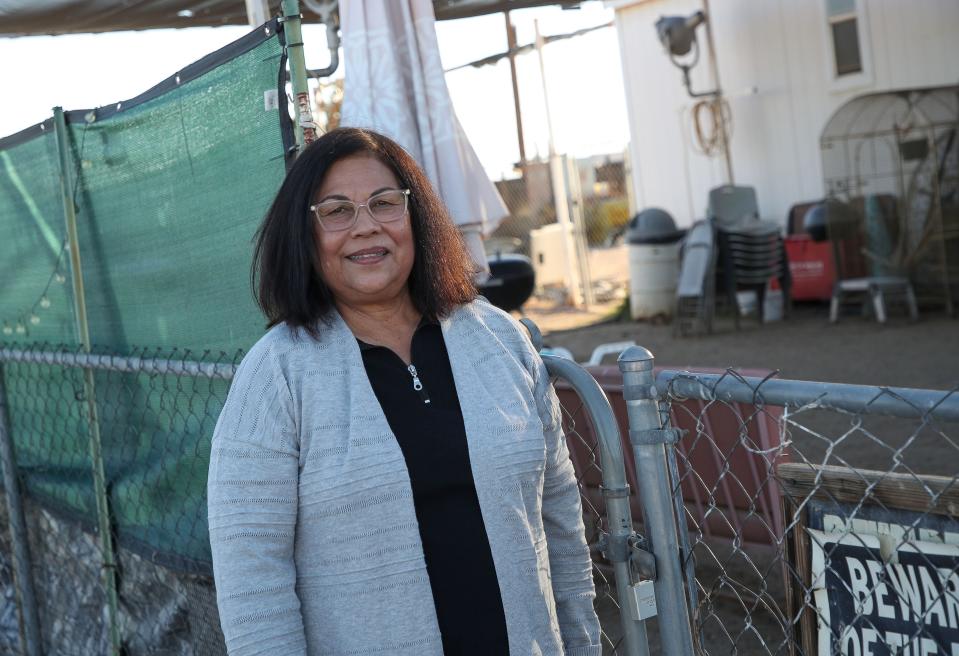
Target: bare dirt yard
(805,346)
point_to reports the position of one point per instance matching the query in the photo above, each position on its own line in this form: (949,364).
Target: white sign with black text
(876,599)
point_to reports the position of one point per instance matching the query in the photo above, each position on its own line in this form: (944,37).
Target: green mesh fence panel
(169,188)
(171,192)
(36,302)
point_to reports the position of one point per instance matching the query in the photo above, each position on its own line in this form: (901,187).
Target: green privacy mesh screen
(169,188)
(34,286)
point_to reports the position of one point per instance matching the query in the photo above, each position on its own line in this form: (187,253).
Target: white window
(844,21)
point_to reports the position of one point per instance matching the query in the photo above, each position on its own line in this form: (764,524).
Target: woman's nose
(365,223)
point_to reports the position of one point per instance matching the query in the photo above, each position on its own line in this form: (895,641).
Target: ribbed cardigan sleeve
(252,504)
(569,560)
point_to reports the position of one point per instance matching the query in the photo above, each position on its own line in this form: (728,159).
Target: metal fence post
(22,571)
(649,441)
(108,559)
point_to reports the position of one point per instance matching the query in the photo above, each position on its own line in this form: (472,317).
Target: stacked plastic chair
(750,251)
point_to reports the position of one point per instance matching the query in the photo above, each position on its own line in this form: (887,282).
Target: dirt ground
(804,347)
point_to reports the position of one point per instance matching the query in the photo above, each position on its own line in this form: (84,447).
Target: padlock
(642,600)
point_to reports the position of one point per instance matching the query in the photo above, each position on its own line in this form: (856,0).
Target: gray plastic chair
(731,206)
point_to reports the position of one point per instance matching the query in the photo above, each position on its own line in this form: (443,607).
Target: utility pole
(511,47)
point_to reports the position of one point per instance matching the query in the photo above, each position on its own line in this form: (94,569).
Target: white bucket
(653,272)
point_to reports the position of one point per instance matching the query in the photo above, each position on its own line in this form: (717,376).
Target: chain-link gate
(620,561)
(815,518)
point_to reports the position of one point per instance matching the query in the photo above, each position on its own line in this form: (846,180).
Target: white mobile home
(785,67)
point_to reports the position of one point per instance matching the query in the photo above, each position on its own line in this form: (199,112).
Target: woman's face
(370,262)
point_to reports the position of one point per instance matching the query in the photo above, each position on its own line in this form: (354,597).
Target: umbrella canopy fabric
(394,83)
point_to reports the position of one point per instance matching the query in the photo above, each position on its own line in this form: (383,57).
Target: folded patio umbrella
(394,84)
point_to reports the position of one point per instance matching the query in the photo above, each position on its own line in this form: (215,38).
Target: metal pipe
(22,571)
(334,58)
(129,364)
(615,490)
(83,330)
(292,28)
(655,494)
(682,526)
(891,401)
(714,66)
(328,11)
(257,12)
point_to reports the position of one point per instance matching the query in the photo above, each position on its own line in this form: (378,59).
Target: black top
(428,424)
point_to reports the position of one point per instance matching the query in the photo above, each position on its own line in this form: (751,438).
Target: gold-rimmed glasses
(386,206)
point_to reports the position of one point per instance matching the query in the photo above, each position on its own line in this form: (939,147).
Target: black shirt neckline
(366,346)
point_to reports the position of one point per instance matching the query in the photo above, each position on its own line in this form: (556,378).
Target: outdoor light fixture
(678,36)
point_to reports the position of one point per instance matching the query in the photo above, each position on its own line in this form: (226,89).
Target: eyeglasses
(384,207)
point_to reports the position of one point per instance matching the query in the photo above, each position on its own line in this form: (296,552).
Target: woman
(389,474)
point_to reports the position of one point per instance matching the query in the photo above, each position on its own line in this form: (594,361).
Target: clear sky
(583,75)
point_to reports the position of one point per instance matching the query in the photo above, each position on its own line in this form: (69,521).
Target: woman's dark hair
(285,273)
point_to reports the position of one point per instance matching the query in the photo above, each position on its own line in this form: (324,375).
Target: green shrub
(602,218)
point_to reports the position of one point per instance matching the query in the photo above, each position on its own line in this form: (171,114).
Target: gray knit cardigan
(316,548)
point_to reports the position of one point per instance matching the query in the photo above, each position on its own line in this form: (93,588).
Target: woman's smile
(367,256)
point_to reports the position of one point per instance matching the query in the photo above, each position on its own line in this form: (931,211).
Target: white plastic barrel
(653,272)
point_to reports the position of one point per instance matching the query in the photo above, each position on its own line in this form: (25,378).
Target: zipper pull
(417,384)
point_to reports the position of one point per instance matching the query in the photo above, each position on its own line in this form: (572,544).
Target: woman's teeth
(366,256)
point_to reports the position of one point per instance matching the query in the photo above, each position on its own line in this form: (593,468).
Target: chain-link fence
(147,587)
(815,518)
(154,412)
(821,518)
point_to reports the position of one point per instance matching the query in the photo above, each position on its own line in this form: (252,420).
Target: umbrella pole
(305,127)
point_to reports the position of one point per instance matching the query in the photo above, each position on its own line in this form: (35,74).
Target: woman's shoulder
(279,339)
(280,346)
(481,316)
(484,315)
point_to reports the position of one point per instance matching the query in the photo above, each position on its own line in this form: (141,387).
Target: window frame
(847,81)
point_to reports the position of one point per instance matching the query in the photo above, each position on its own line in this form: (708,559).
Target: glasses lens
(336,214)
(388,206)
